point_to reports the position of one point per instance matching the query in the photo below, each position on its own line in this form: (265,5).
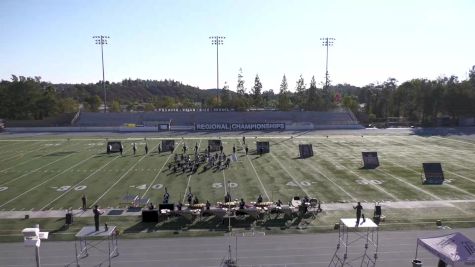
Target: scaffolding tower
(357,244)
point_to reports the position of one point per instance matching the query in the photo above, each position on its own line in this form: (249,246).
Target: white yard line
(35,170)
(120,178)
(20,153)
(32,159)
(189,176)
(224,183)
(451,163)
(330,180)
(257,175)
(449,185)
(290,175)
(418,173)
(379,188)
(160,171)
(77,164)
(407,183)
(77,184)
(454,155)
(455,140)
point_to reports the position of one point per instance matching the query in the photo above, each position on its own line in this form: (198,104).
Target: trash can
(69,218)
(416,263)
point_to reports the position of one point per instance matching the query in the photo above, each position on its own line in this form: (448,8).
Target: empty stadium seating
(179,118)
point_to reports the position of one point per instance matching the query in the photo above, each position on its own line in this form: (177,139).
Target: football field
(53,172)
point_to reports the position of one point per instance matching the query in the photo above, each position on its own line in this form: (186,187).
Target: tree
(284,99)
(350,102)
(115,106)
(47,104)
(313,100)
(240,89)
(241,101)
(93,103)
(226,97)
(256,92)
(149,107)
(300,92)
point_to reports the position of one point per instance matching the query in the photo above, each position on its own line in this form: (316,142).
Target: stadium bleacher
(183,118)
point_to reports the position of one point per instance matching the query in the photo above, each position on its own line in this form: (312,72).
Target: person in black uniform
(234,149)
(208,205)
(166,197)
(242,204)
(247,149)
(134,147)
(259,199)
(358,209)
(190,198)
(97,212)
(146,148)
(221,148)
(84,200)
(244,140)
(227,197)
(121,149)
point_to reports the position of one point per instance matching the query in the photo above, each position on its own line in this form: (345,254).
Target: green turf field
(43,173)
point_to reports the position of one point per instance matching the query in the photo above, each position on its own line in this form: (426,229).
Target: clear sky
(157,39)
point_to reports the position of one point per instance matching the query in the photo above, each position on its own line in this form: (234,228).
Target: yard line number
(144,186)
(220,185)
(301,183)
(3,188)
(67,187)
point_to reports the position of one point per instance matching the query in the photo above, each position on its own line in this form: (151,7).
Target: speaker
(113,146)
(69,218)
(168,145)
(262,146)
(214,145)
(149,215)
(370,160)
(433,173)
(305,150)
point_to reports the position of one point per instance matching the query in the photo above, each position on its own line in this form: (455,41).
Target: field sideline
(52,172)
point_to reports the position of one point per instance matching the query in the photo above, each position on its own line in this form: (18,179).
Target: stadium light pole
(327,42)
(217,40)
(102,40)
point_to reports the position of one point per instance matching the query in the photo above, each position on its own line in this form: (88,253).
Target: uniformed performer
(97,212)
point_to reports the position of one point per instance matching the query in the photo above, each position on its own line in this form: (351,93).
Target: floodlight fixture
(327,41)
(102,40)
(217,40)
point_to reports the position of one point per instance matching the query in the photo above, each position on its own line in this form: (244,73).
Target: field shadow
(142,227)
(115,212)
(60,154)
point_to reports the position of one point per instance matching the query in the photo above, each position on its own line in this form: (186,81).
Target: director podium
(357,245)
(89,239)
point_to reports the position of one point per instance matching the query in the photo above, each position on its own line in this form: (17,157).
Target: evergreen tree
(313,102)
(225,96)
(284,99)
(256,92)
(240,89)
(300,92)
